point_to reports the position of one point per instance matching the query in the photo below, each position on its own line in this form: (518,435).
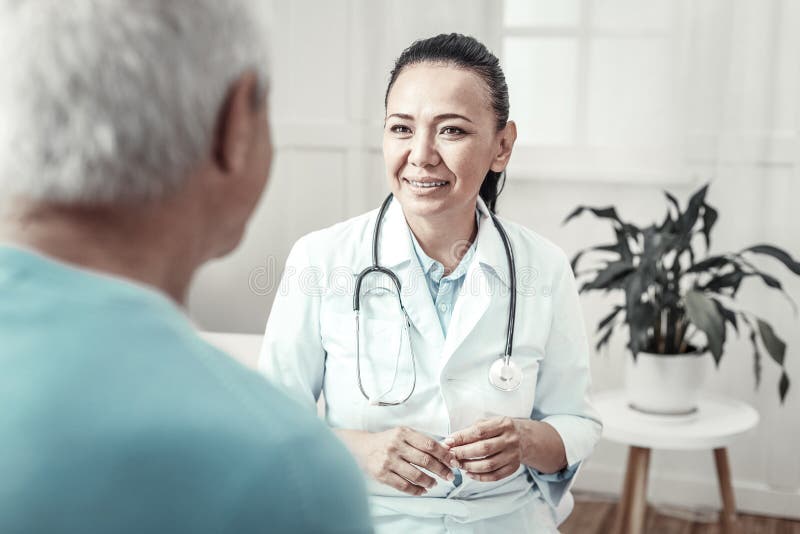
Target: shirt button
(442,308)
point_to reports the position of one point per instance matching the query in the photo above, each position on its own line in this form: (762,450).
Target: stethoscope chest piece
(505,374)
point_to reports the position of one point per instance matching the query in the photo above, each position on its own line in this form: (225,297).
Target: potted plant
(678,302)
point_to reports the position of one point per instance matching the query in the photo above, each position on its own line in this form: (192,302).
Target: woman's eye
(400,129)
(452,130)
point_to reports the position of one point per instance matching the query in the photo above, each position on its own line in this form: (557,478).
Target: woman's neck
(447,237)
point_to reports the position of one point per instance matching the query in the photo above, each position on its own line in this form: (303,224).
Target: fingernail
(449,442)
(454,463)
(450,477)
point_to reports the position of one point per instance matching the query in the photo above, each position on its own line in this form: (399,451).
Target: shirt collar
(490,251)
(434,269)
(396,245)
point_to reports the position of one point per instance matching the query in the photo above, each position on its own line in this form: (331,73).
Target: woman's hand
(394,457)
(489,450)
(493,449)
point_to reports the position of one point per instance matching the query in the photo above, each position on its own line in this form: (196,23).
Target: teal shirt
(117,418)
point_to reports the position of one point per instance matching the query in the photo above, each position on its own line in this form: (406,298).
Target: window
(596,88)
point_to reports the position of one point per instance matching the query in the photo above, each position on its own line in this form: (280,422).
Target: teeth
(426,184)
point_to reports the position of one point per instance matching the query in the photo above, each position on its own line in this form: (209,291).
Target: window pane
(633,14)
(631,93)
(541,74)
(541,13)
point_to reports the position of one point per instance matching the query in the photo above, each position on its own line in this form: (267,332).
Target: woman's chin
(421,205)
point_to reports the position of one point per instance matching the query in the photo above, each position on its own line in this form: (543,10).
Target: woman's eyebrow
(447,116)
(404,116)
(443,116)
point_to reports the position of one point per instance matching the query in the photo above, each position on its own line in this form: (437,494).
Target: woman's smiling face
(440,139)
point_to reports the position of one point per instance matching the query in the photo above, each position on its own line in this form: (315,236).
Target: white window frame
(579,161)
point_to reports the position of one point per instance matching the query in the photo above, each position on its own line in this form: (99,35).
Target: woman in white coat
(407,387)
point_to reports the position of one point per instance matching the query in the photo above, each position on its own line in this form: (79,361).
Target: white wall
(742,105)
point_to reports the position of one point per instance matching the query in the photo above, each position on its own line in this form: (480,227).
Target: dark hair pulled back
(467,53)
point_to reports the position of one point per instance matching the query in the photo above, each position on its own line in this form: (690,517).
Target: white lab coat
(309,348)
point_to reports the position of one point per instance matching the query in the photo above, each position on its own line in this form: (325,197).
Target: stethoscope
(504,374)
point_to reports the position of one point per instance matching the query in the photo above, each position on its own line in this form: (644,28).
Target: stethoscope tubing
(377,268)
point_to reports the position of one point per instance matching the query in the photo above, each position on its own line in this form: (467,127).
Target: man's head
(119,104)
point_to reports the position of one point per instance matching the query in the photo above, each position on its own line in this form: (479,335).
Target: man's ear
(508,136)
(236,123)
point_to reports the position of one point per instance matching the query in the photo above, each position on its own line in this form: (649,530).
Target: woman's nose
(423,152)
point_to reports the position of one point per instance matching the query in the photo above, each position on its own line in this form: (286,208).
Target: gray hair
(105,101)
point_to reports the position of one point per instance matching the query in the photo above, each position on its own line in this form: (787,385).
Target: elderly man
(134,145)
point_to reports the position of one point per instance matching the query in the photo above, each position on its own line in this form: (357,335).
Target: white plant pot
(665,384)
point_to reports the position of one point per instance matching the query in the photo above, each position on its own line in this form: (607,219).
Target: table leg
(728,513)
(625,496)
(632,507)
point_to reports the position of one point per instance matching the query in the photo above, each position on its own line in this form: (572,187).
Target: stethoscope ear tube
(512,274)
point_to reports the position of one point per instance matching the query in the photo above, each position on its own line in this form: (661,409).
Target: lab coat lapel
(486,276)
(397,253)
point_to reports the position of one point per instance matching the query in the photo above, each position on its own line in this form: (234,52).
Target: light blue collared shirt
(444,289)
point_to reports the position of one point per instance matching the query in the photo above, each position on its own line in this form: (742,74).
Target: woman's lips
(426,183)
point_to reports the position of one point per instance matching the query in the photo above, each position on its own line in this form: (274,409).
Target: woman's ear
(507,137)
(236,124)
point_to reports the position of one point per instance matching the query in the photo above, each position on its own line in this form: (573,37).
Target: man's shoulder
(261,459)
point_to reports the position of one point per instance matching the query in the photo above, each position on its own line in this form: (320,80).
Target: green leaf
(673,201)
(604,339)
(624,248)
(771,281)
(756,352)
(699,197)
(608,318)
(689,217)
(774,345)
(574,262)
(603,213)
(731,280)
(727,314)
(756,357)
(783,386)
(779,254)
(712,262)
(606,276)
(704,315)
(709,218)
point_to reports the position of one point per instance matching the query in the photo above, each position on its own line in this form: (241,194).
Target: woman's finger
(478,432)
(490,464)
(480,449)
(397,482)
(427,461)
(493,476)
(413,474)
(427,444)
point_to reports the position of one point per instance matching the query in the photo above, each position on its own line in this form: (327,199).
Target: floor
(593,515)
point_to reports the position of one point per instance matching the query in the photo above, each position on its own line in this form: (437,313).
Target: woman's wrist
(541,446)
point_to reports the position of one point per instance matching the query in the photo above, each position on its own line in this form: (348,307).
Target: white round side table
(717,422)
